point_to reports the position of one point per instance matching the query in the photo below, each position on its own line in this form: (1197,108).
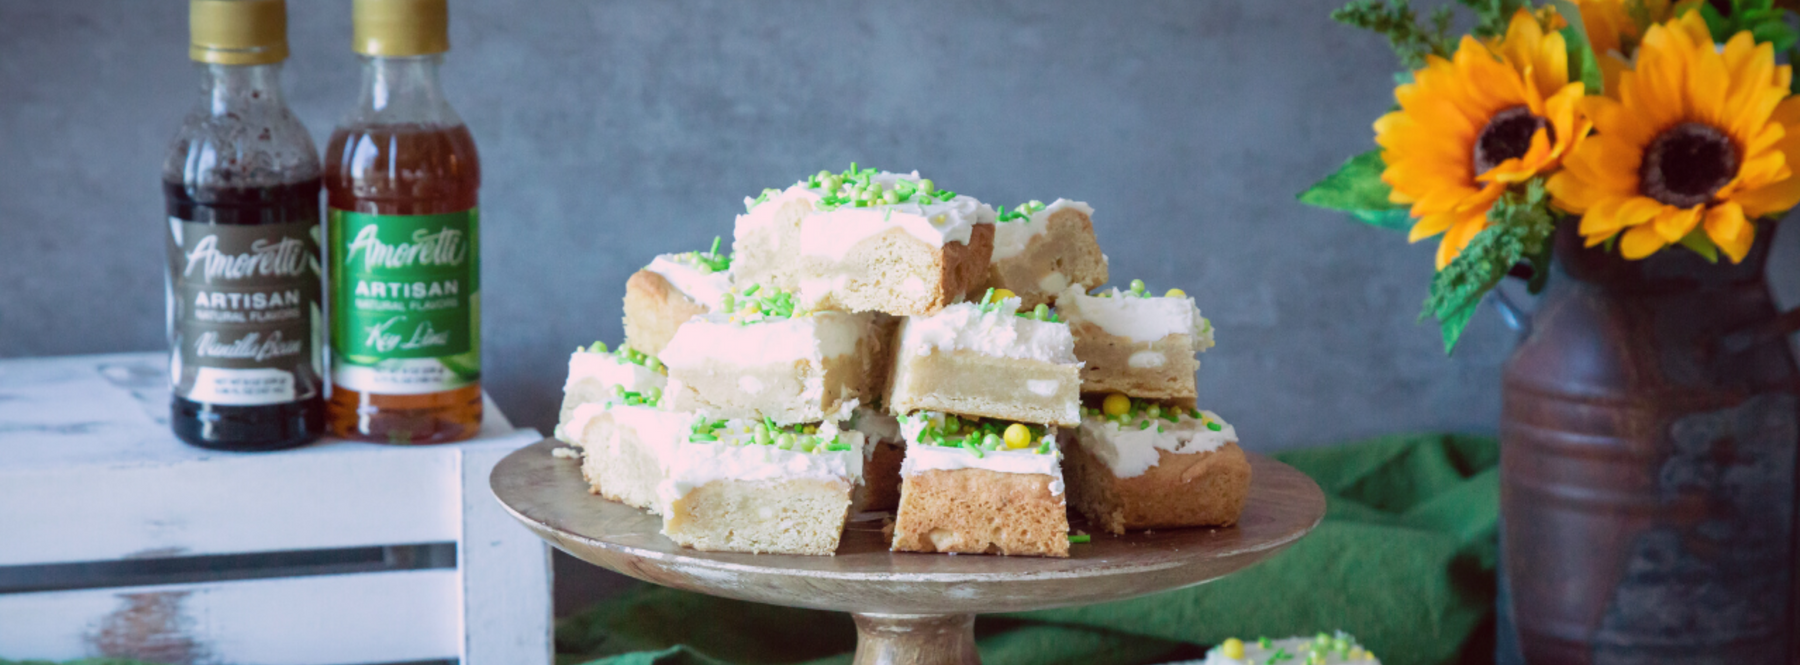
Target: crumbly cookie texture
(865,240)
(1042,250)
(988,359)
(598,374)
(882,456)
(1140,465)
(977,486)
(671,290)
(742,485)
(627,449)
(1130,342)
(791,366)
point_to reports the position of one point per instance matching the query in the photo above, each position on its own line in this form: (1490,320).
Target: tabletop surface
(549,495)
(113,409)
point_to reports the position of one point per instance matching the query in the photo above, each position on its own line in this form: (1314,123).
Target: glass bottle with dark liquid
(241,182)
(401,183)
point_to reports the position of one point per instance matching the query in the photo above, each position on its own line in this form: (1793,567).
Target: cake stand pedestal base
(915,639)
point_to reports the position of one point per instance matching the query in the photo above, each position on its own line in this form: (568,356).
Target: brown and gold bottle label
(244,317)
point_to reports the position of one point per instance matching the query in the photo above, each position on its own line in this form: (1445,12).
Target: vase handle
(1513,315)
(1739,341)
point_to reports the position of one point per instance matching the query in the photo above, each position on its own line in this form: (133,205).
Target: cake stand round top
(550,497)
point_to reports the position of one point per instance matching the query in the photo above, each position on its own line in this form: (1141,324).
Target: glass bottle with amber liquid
(404,248)
(241,188)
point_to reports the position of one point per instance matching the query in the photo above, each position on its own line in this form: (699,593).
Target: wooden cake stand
(909,608)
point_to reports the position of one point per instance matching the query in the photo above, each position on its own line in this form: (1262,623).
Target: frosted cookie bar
(883,452)
(1041,250)
(976,486)
(595,374)
(1133,343)
(761,356)
(988,359)
(745,485)
(1140,465)
(1321,649)
(866,241)
(627,445)
(671,290)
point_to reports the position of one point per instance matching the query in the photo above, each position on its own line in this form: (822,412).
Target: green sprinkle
(1171,417)
(1321,639)
(1144,425)
(618,390)
(728,302)
(652,363)
(597,347)
(1159,429)
(752,289)
(762,437)
(1137,286)
(785,441)
(1262,642)
(1042,312)
(1080,538)
(992,440)
(1194,413)
(891,197)
(1214,427)
(927,186)
(699,437)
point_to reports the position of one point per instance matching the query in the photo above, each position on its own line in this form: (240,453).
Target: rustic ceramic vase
(1651,417)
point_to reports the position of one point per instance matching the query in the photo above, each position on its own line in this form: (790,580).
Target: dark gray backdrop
(613,131)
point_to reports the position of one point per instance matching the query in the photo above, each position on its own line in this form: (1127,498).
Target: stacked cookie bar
(876,343)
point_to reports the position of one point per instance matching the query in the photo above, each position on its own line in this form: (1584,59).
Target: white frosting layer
(696,464)
(659,430)
(611,370)
(814,337)
(1011,238)
(1139,319)
(832,233)
(1297,650)
(875,424)
(1001,333)
(922,457)
(704,287)
(1130,450)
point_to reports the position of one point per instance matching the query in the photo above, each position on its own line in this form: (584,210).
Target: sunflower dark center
(1687,164)
(1508,136)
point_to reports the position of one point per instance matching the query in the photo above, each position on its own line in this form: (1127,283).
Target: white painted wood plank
(112,410)
(506,574)
(368,618)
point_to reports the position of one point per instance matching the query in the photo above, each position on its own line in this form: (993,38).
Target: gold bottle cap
(401,27)
(237,32)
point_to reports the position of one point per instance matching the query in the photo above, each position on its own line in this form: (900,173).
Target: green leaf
(1519,228)
(1397,219)
(1698,241)
(1397,21)
(1356,188)
(1583,64)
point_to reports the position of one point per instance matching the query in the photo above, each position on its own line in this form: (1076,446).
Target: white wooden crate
(90,474)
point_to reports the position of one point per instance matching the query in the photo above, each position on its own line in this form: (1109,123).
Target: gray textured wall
(613,131)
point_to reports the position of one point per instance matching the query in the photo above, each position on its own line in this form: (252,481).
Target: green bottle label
(405,301)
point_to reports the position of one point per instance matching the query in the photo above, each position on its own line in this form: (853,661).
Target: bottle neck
(403,90)
(228,88)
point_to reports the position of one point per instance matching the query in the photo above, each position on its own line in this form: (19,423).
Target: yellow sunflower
(1697,138)
(1614,30)
(1493,115)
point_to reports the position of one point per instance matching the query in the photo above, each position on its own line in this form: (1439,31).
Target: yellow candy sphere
(1175,293)
(1002,294)
(1017,436)
(1232,648)
(1116,405)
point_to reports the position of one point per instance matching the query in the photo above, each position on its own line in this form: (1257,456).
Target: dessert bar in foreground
(1145,466)
(987,359)
(866,241)
(627,446)
(766,358)
(671,290)
(1130,342)
(980,487)
(1041,250)
(745,485)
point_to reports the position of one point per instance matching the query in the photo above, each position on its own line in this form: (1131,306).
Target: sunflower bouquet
(1651,125)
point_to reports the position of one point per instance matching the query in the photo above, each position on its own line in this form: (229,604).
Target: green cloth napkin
(1404,560)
